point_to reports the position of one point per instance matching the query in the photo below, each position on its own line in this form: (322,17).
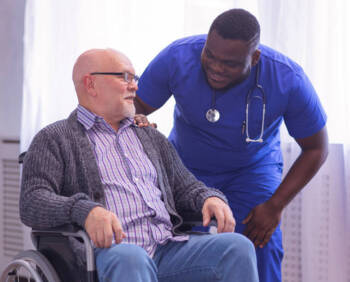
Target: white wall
(11,66)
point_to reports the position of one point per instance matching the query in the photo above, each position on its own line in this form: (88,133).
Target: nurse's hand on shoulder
(214,206)
(261,223)
(102,226)
(142,121)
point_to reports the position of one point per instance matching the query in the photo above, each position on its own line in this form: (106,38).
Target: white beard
(129,112)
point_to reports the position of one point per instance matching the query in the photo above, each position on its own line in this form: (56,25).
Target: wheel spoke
(30,266)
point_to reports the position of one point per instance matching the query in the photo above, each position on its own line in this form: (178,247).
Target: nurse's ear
(255,57)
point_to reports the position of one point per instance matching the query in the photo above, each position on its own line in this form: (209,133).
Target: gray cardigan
(61,182)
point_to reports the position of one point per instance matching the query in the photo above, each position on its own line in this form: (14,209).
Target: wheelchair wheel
(29,266)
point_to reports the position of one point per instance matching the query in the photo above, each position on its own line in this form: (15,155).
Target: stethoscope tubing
(213,115)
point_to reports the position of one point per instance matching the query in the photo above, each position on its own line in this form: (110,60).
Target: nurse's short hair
(237,24)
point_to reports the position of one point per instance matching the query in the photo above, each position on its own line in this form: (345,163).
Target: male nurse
(232,94)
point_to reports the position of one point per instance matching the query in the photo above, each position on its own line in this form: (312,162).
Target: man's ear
(256,57)
(89,84)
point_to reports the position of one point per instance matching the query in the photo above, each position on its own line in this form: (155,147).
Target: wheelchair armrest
(195,219)
(64,230)
(69,230)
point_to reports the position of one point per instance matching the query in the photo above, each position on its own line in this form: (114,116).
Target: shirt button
(136,179)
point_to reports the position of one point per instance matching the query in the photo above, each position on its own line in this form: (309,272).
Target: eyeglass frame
(135,78)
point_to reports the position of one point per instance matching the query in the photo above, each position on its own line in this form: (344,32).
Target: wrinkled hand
(142,121)
(261,223)
(102,225)
(214,206)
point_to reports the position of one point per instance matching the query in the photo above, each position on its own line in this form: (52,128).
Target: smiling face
(227,62)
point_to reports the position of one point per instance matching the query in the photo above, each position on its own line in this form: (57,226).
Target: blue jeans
(270,257)
(205,258)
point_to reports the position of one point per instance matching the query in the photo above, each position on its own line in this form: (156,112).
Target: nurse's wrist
(277,204)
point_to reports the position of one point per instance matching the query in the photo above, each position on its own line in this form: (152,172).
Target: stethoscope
(213,115)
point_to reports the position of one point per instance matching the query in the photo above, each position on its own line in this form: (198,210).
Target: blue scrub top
(217,153)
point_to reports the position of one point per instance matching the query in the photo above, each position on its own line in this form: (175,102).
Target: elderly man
(126,187)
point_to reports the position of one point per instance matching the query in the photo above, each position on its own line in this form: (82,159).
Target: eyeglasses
(127,76)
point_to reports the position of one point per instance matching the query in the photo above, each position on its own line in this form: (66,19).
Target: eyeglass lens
(129,77)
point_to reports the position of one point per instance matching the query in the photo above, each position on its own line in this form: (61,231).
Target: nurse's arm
(314,151)
(142,107)
(264,218)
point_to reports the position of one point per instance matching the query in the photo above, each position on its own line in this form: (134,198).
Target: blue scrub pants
(203,258)
(270,257)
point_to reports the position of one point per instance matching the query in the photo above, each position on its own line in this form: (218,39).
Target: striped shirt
(129,180)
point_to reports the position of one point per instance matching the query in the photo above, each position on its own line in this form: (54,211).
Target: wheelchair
(54,260)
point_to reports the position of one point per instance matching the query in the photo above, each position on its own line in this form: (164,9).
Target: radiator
(14,236)
(315,224)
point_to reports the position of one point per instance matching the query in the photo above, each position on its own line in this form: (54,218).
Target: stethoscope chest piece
(212,115)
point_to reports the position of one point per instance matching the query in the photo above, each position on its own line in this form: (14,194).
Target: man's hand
(261,223)
(102,225)
(214,206)
(142,121)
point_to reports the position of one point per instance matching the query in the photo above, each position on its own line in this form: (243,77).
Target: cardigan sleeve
(42,204)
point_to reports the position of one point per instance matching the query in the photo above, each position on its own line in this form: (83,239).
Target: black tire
(33,262)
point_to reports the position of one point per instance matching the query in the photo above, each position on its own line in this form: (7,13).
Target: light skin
(107,96)
(215,207)
(227,62)
(112,98)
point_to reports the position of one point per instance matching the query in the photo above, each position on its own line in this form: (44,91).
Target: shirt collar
(88,119)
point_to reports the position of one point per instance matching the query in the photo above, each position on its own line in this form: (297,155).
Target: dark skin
(227,62)
(263,219)
(141,121)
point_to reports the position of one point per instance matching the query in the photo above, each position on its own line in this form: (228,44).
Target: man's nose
(217,67)
(133,85)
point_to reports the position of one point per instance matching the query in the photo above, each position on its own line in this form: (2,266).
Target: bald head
(94,60)
(106,92)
